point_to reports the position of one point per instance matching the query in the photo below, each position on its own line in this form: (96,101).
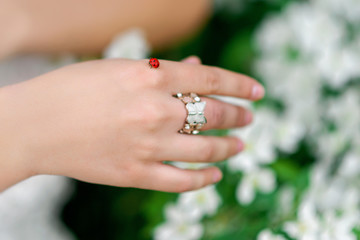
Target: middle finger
(221,115)
(207,80)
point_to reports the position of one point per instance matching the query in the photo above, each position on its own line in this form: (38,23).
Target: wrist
(14,158)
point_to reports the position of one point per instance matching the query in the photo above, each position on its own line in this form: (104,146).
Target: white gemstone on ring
(195,119)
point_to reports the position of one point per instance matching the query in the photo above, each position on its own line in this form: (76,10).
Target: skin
(114,122)
(86,27)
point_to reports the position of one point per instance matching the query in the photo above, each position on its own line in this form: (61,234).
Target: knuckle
(213,82)
(156,79)
(157,119)
(154,116)
(147,150)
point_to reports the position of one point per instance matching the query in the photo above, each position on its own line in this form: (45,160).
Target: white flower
(190,165)
(349,9)
(268,235)
(307,226)
(181,224)
(182,213)
(267,36)
(315,29)
(325,192)
(274,69)
(259,143)
(337,227)
(328,194)
(350,166)
(178,231)
(206,200)
(234,100)
(131,44)
(350,205)
(300,92)
(330,145)
(296,84)
(341,111)
(338,65)
(289,131)
(262,180)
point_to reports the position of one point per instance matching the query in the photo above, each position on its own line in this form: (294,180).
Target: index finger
(208,80)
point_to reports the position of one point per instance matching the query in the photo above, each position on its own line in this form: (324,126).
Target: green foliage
(238,53)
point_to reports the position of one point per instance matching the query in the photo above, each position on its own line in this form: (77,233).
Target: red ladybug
(154,62)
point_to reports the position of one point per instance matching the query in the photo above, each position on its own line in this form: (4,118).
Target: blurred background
(299,175)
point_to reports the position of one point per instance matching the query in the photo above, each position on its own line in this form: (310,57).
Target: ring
(195,119)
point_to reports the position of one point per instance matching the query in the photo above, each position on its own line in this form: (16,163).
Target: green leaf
(286,169)
(238,53)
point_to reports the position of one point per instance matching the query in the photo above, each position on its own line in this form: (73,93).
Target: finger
(220,115)
(199,149)
(167,178)
(205,80)
(192,60)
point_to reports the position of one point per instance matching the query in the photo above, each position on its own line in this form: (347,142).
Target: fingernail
(217,176)
(248,117)
(258,92)
(240,146)
(192,59)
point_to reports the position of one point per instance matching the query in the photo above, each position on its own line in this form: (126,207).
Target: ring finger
(190,148)
(219,115)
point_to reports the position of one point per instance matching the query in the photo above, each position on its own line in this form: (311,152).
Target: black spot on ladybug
(153,62)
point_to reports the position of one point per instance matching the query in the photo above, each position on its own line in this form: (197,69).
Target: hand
(114,122)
